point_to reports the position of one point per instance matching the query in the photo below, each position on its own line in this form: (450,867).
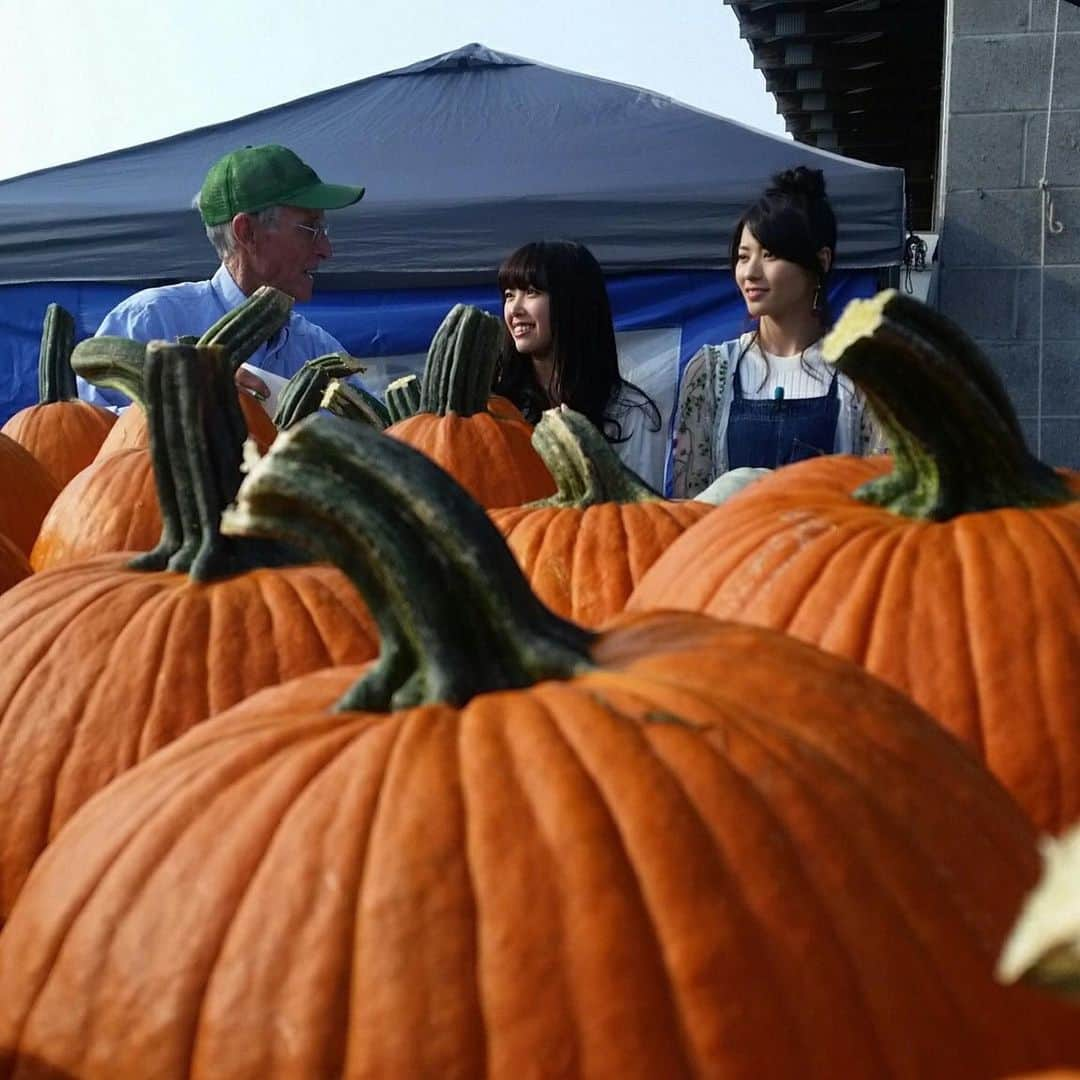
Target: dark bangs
(524,268)
(784,229)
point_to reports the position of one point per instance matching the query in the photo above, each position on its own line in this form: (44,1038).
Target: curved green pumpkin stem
(403,398)
(461,362)
(302,394)
(586,469)
(956,443)
(112,362)
(249,325)
(456,617)
(197,433)
(56,377)
(348,401)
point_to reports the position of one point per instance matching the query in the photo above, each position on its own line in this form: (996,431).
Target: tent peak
(473,55)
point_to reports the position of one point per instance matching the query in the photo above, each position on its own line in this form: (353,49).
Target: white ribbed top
(803,375)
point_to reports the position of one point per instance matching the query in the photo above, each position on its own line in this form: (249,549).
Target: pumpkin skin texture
(974,614)
(130,431)
(64,436)
(26,493)
(111,505)
(584,549)
(678,847)
(492,459)
(585,563)
(633,873)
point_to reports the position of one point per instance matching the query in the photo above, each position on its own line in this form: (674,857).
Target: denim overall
(770,433)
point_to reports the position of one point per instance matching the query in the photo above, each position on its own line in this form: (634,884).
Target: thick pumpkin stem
(461,362)
(456,617)
(348,401)
(403,398)
(583,464)
(112,362)
(56,378)
(244,329)
(956,443)
(302,394)
(197,432)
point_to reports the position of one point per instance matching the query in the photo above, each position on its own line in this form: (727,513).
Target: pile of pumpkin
(396,738)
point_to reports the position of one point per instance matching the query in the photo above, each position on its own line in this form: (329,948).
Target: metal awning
(861,78)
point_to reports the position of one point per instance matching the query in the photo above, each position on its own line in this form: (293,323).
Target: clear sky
(82,77)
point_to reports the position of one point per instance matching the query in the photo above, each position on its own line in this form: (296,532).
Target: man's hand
(249,383)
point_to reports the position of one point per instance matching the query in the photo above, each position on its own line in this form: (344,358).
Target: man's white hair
(222,236)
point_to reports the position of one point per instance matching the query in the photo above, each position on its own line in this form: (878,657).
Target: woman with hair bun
(559,349)
(768,397)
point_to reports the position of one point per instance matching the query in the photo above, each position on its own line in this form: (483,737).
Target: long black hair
(793,219)
(585,369)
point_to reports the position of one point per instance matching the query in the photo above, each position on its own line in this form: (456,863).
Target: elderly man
(263,209)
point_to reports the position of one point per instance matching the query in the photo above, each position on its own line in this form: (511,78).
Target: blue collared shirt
(192,307)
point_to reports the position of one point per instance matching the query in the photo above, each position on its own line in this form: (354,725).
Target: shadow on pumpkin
(21,1067)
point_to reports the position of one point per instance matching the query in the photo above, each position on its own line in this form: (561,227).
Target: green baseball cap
(256,177)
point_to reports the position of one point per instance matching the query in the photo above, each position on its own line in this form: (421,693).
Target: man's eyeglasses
(317,231)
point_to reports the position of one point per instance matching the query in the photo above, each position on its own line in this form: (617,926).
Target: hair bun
(809,183)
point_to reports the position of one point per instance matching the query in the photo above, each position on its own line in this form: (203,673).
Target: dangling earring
(815,305)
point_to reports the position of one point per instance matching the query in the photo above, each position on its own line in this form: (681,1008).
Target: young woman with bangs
(768,397)
(559,349)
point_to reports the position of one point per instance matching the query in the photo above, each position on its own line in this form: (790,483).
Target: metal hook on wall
(1053,226)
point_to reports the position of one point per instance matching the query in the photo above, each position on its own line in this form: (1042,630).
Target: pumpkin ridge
(264,781)
(58,643)
(894,550)
(324,751)
(148,605)
(271,588)
(970,548)
(576,729)
(750,904)
(357,799)
(424,740)
(790,749)
(512,755)
(187,618)
(660,742)
(868,582)
(969,542)
(784,548)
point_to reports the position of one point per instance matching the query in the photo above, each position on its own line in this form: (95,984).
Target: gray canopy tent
(462,155)
(465,156)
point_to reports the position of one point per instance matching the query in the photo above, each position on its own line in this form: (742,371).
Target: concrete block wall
(989,250)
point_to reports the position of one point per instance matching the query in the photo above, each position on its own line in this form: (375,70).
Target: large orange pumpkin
(112,505)
(678,848)
(490,455)
(61,431)
(105,661)
(584,549)
(950,569)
